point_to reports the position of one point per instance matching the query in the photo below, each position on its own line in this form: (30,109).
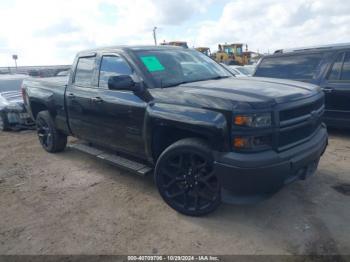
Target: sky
(49,32)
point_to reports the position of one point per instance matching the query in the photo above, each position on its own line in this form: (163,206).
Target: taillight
(23,91)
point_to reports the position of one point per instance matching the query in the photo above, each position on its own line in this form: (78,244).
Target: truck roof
(314,48)
(128,47)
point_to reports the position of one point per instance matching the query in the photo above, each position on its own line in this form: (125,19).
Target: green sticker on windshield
(152,63)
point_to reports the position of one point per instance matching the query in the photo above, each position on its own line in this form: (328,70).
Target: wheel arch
(37,106)
(166,124)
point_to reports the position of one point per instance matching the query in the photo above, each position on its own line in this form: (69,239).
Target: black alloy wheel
(186,179)
(44,133)
(51,139)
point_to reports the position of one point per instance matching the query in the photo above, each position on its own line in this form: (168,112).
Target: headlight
(253,120)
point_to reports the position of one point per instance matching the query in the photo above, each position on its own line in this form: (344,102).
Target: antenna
(155,35)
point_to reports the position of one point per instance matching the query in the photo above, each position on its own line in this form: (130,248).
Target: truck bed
(52,91)
(59,81)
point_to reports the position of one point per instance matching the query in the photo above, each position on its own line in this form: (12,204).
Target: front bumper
(268,171)
(17,119)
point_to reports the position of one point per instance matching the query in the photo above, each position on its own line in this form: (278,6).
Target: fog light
(240,142)
(251,142)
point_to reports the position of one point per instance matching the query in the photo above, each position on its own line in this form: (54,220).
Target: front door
(337,91)
(121,110)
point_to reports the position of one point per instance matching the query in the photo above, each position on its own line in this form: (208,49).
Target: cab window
(84,71)
(345,75)
(336,68)
(112,66)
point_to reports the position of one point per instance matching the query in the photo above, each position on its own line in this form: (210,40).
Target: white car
(247,70)
(234,70)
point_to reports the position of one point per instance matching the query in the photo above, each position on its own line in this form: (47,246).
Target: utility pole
(155,35)
(15,57)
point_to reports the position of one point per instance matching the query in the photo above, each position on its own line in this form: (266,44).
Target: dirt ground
(70,203)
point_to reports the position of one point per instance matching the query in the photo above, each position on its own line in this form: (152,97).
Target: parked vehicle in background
(204,50)
(233,70)
(43,71)
(63,73)
(207,134)
(246,70)
(232,54)
(176,43)
(240,71)
(325,66)
(48,72)
(13,114)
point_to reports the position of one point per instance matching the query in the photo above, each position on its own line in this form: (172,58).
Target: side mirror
(121,82)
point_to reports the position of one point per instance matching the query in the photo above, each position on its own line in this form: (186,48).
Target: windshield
(173,67)
(297,67)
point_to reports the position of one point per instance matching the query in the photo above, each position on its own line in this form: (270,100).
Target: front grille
(299,122)
(300,111)
(297,135)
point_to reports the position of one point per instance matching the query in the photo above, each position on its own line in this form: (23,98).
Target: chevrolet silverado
(205,135)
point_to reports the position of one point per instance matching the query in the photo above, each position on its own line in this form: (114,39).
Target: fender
(43,97)
(54,104)
(208,123)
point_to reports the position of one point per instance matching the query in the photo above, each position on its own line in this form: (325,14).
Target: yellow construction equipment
(176,43)
(232,54)
(204,50)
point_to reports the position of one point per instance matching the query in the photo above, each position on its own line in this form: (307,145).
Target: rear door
(83,117)
(337,91)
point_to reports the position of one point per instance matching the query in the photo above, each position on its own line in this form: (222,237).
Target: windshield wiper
(217,77)
(191,81)
(177,84)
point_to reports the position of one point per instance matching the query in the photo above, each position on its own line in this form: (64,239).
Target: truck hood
(255,91)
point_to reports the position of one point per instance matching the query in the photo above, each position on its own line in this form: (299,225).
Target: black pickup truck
(204,134)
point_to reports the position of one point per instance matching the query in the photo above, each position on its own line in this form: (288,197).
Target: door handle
(97,100)
(327,90)
(71,95)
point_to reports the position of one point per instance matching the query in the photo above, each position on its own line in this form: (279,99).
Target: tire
(185,178)
(50,138)
(4,124)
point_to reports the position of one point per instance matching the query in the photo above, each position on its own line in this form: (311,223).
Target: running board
(119,161)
